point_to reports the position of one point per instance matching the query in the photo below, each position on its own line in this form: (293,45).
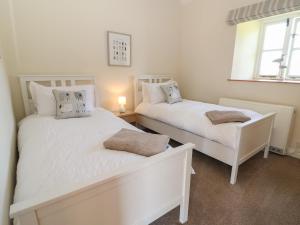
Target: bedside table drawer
(129,118)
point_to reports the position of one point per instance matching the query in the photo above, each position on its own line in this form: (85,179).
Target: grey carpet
(267,193)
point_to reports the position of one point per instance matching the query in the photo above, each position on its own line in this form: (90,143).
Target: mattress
(190,116)
(55,155)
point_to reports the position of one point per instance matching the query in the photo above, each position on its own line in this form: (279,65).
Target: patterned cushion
(172,93)
(70,104)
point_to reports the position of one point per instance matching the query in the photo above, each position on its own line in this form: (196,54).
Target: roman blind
(261,10)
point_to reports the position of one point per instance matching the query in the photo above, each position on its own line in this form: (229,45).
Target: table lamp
(122,103)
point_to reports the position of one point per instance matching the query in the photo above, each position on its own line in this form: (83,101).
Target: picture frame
(119,49)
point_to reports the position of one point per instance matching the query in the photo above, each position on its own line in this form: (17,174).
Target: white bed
(56,155)
(231,143)
(65,176)
(190,116)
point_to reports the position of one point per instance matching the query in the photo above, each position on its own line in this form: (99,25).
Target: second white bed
(190,116)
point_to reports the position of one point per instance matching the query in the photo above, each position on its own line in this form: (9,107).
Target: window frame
(286,50)
(291,49)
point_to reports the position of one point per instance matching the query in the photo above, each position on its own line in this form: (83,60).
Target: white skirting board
(294,152)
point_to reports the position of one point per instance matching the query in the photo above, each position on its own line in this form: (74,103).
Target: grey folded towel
(137,142)
(218,117)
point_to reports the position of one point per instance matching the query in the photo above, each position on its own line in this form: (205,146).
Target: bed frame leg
(267,148)
(266,152)
(184,205)
(184,211)
(234,172)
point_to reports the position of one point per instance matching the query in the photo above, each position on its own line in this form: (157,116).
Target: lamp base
(122,109)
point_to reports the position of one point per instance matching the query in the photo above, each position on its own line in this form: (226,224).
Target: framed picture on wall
(119,49)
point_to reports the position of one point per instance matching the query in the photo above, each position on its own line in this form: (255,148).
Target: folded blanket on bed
(218,117)
(137,142)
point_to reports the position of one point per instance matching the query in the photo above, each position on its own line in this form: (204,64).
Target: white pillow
(145,92)
(44,99)
(152,92)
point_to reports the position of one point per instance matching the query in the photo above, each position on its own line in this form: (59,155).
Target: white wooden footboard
(251,138)
(137,194)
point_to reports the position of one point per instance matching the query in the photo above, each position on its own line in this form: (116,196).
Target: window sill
(268,81)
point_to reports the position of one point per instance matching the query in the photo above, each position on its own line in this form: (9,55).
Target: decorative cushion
(44,100)
(70,104)
(171,92)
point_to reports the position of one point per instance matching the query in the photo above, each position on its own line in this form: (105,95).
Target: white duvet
(190,116)
(58,154)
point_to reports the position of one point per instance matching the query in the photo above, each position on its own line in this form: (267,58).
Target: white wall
(7,145)
(191,39)
(69,37)
(207,48)
(245,50)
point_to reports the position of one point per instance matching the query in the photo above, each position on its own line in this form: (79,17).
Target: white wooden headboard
(138,97)
(51,81)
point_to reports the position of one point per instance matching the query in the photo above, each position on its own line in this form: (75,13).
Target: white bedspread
(190,116)
(57,154)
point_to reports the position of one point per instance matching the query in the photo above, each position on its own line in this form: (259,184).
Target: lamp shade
(122,100)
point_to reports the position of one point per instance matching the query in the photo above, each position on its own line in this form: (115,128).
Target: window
(278,55)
